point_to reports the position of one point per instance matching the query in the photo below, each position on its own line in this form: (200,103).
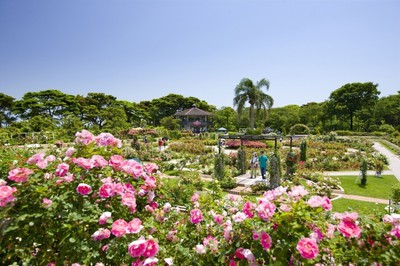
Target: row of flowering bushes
(90,206)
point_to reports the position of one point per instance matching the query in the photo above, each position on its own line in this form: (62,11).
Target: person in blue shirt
(263,160)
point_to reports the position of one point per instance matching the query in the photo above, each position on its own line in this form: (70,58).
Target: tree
(170,123)
(353,97)
(283,118)
(247,91)
(6,107)
(387,110)
(52,103)
(225,117)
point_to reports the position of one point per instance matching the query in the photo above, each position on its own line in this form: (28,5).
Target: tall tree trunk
(252,116)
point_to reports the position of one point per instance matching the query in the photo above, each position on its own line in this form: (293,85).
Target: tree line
(354,107)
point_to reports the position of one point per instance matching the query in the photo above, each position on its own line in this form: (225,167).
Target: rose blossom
(107,139)
(83,162)
(116,161)
(266,210)
(6,195)
(84,137)
(218,218)
(70,151)
(36,158)
(239,217)
(308,248)
(266,240)
(317,201)
(151,248)
(150,261)
(134,226)
(119,227)
(196,216)
(83,189)
(200,249)
(396,231)
(131,167)
(248,207)
(104,217)
(137,248)
(106,190)
(98,161)
(47,202)
(100,234)
(19,175)
(195,197)
(150,168)
(62,169)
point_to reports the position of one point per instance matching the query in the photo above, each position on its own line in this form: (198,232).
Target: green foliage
(395,194)
(241,161)
(274,169)
(299,129)
(364,169)
(303,150)
(219,166)
(291,162)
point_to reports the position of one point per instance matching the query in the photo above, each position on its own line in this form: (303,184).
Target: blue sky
(140,50)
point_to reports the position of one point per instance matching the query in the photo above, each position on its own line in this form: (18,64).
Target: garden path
(245,182)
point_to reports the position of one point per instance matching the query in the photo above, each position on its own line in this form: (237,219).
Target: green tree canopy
(6,110)
(352,98)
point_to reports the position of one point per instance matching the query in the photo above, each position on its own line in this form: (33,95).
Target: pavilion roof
(194,111)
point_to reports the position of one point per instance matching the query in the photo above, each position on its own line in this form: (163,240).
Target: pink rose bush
(88,205)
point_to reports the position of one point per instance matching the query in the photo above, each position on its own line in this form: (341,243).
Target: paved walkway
(245,182)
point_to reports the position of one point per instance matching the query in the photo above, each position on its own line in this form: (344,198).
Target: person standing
(160,144)
(253,165)
(263,160)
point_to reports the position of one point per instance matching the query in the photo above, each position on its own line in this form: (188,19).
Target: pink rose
(248,208)
(151,248)
(200,249)
(106,190)
(128,199)
(308,248)
(36,158)
(134,226)
(195,197)
(116,161)
(83,162)
(104,217)
(47,202)
(100,234)
(266,210)
(349,228)
(84,137)
(218,218)
(150,168)
(62,169)
(98,161)
(196,216)
(239,217)
(266,240)
(107,139)
(131,167)
(83,189)
(119,228)
(6,195)
(70,151)
(318,201)
(137,248)
(396,231)
(19,175)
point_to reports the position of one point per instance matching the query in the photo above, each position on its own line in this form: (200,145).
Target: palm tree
(247,91)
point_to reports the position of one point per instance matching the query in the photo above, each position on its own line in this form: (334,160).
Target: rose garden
(90,203)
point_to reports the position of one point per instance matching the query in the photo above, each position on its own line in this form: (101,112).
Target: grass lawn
(362,207)
(376,187)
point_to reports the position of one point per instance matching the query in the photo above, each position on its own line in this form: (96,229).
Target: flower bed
(90,206)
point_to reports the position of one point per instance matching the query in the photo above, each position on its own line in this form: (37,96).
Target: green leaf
(72,240)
